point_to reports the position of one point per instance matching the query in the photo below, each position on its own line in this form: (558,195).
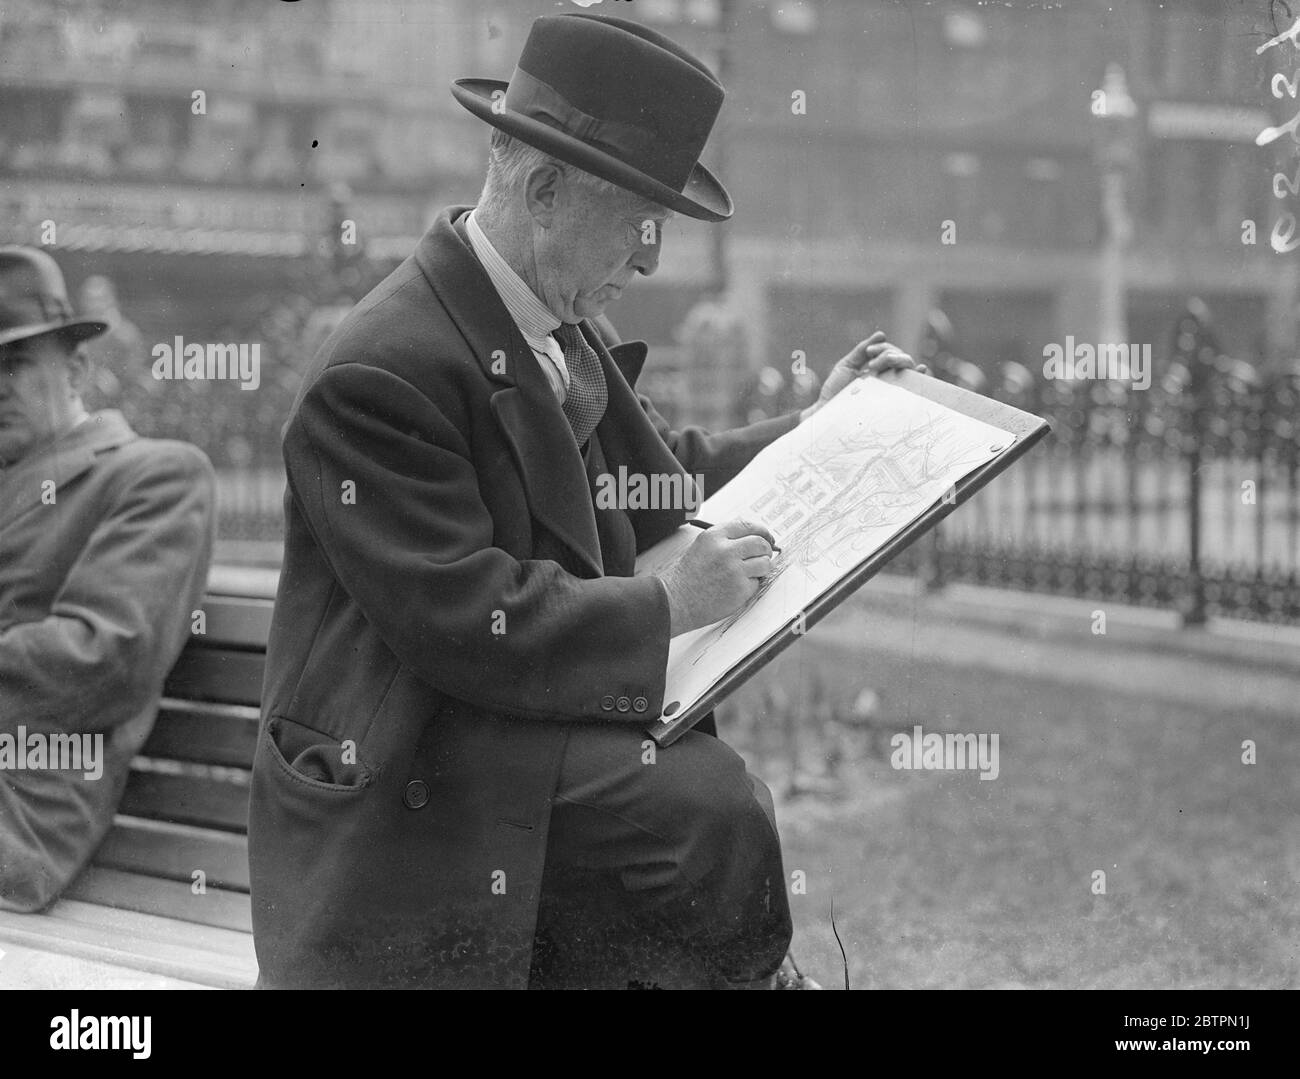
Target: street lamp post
(1116,153)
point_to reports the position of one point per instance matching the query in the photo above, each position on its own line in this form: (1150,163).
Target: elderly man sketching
(104,546)
(451,789)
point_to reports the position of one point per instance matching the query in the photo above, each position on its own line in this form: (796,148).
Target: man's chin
(585,308)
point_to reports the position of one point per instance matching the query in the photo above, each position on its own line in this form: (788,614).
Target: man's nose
(646,257)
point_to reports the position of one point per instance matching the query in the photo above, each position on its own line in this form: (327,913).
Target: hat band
(631,144)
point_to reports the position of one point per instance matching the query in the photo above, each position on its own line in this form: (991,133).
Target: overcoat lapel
(531,419)
(629,357)
(629,438)
(21,485)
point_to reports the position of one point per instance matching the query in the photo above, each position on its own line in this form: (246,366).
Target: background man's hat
(615,99)
(34,300)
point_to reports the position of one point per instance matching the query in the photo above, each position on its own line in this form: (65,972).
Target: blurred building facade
(859,137)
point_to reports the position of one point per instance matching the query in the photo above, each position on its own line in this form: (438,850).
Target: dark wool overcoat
(452,608)
(105,539)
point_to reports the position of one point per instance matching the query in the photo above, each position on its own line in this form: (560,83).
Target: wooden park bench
(165,899)
(165,902)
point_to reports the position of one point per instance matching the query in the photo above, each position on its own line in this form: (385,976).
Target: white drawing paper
(833,491)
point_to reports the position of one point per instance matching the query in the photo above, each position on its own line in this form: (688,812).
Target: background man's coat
(442,620)
(97,588)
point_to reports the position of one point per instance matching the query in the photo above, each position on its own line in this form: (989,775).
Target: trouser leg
(670,870)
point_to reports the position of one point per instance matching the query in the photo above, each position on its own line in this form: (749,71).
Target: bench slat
(208,801)
(165,898)
(204,734)
(217,674)
(234,623)
(175,851)
(26,968)
(243,582)
(216,957)
(134,907)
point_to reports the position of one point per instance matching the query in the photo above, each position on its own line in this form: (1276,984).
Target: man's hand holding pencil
(718,573)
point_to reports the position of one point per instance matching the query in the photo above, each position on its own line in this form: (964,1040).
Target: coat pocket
(314,759)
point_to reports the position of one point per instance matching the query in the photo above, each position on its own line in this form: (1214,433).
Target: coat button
(640,704)
(624,703)
(416,795)
(607,703)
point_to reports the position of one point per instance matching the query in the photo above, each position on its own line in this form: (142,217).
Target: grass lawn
(941,879)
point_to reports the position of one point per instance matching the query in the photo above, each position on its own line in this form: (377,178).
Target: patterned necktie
(584,404)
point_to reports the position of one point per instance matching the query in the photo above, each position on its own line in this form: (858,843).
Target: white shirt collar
(535,320)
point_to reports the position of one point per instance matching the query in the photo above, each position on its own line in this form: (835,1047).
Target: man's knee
(725,813)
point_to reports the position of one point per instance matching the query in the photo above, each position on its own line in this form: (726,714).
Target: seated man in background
(105,539)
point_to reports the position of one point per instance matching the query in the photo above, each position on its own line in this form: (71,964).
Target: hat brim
(703,197)
(78,330)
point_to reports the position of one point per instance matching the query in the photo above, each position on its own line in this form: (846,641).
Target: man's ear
(78,365)
(542,193)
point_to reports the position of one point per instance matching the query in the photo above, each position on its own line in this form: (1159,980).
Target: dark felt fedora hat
(34,299)
(615,99)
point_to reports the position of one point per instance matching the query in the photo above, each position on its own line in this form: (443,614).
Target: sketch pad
(843,493)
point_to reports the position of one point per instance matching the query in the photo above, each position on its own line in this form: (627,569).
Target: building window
(961,165)
(1177,32)
(156,142)
(961,177)
(964,29)
(794,16)
(1235,201)
(1041,215)
(704,12)
(1209,160)
(1208,57)
(1193,48)
(1181,191)
(659,10)
(496,49)
(33,120)
(1240,73)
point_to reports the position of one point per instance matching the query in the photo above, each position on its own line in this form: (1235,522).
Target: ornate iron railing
(1182,495)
